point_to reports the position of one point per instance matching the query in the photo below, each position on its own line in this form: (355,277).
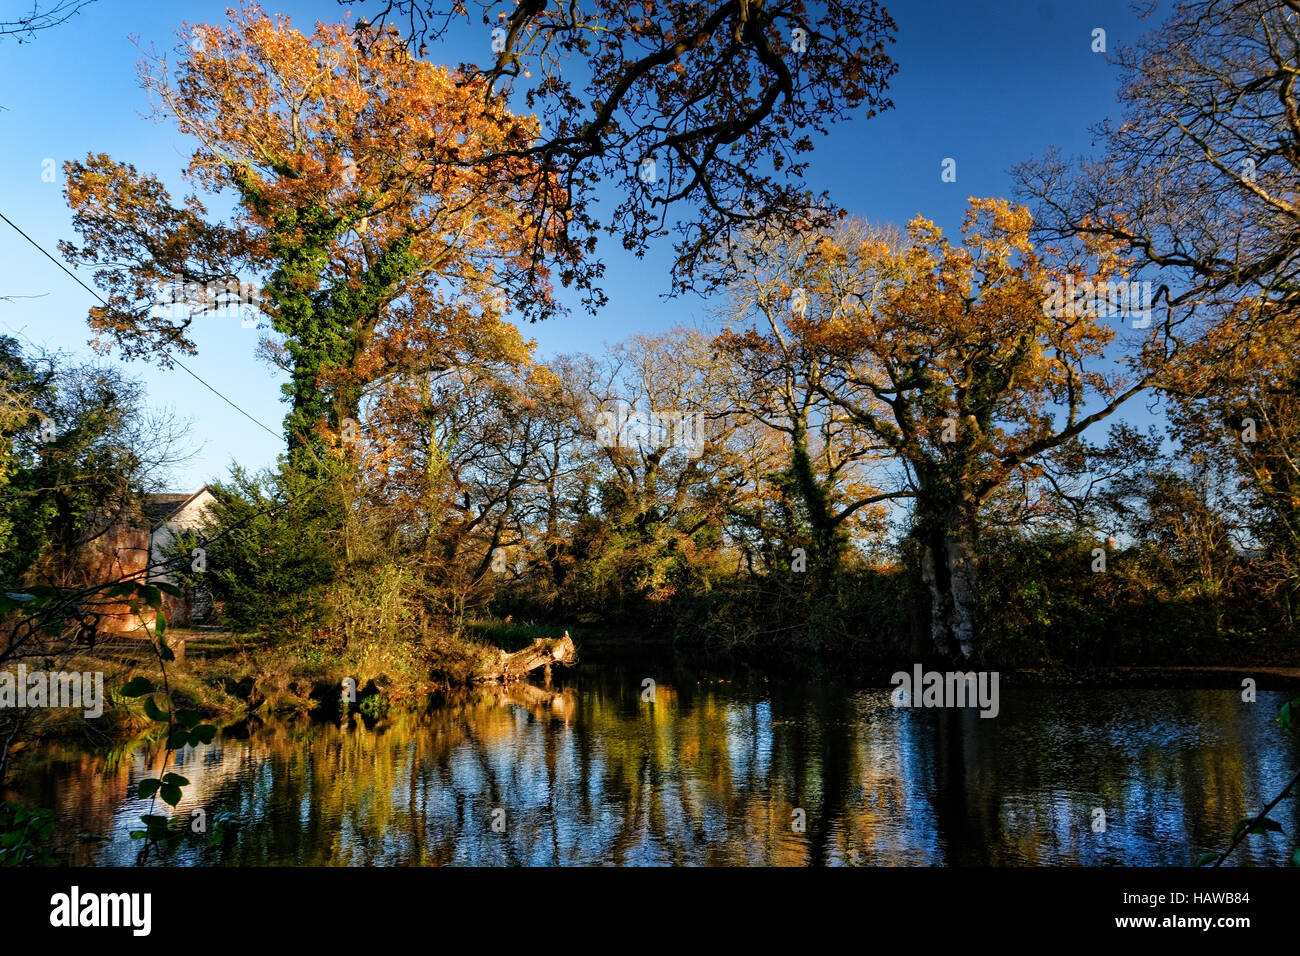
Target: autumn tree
(703,110)
(563,485)
(655,423)
(765,520)
(1237,411)
(958,361)
(826,460)
(1188,514)
(354,218)
(1198,177)
(451,461)
(1198,180)
(1197,183)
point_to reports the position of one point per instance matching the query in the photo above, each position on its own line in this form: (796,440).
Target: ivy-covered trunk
(326,320)
(829,540)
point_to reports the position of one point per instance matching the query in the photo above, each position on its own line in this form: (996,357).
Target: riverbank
(229,676)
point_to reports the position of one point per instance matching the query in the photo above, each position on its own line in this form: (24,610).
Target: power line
(77,279)
(186,370)
(41,250)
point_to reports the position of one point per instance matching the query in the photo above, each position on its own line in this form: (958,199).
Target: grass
(512,635)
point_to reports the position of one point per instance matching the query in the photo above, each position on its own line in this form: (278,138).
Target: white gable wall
(187,519)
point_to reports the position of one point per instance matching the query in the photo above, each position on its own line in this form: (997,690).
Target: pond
(717,770)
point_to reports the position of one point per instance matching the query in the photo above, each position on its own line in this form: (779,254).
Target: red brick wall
(122,552)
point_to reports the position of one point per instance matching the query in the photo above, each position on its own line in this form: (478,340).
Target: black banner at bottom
(348,906)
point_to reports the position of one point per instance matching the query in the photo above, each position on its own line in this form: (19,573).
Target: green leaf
(170,793)
(152,712)
(121,590)
(155,826)
(180,737)
(175,778)
(165,652)
(187,718)
(160,624)
(1263,826)
(169,589)
(1295,857)
(147,788)
(204,733)
(1285,716)
(152,596)
(1205,859)
(137,687)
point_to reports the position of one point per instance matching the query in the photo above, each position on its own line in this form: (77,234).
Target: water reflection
(711,773)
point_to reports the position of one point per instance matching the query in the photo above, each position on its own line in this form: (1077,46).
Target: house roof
(162,507)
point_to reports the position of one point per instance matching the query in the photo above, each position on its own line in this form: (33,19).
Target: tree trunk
(949,570)
(541,653)
(829,540)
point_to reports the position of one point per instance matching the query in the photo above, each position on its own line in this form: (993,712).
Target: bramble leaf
(204,733)
(137,687)
(153,712)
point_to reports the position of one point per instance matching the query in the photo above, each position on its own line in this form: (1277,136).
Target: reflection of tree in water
(1172,770)
(708,774)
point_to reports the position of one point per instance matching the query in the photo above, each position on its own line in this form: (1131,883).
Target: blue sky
(985,83)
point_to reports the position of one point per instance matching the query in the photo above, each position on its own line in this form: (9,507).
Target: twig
(1244,831)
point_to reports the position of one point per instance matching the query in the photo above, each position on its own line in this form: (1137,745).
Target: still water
(713,772)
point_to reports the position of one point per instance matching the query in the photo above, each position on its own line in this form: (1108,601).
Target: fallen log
(543,652)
